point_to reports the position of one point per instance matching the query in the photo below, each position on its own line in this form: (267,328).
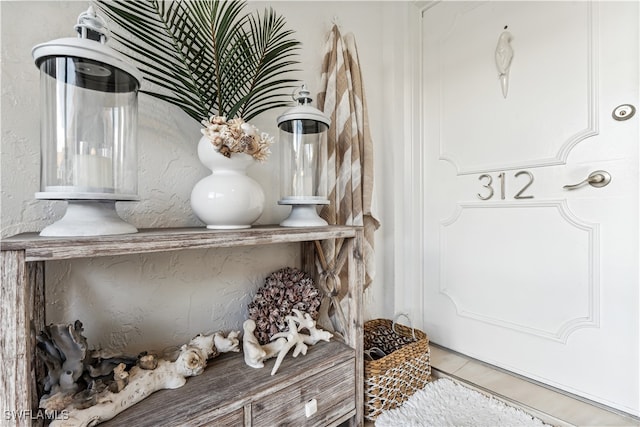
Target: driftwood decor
(76,381)
(64,351)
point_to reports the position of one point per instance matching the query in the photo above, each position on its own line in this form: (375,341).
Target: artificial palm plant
(207,57)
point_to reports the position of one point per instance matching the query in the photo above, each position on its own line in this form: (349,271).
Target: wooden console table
(22,316)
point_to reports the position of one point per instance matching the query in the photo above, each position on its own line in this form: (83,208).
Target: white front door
(519,271)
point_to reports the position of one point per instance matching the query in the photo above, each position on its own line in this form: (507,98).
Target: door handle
(596,179)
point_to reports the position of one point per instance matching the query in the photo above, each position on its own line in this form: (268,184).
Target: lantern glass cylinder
(303,144)
(303,154)
(88,130)
(89,111)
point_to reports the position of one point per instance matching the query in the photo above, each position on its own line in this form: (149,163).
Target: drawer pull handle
(311,407)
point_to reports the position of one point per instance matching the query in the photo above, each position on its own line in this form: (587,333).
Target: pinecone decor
(283,290)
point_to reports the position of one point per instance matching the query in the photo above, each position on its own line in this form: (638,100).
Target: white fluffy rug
(444,403)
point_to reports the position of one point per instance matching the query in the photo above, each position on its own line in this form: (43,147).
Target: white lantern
(89,111)
(303,145)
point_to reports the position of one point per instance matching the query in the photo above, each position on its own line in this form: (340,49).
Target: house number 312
(487,183)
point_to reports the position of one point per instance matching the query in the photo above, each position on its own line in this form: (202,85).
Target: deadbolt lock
(623,112)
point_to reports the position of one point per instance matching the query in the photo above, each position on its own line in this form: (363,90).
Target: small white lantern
(89,114)
(303,145)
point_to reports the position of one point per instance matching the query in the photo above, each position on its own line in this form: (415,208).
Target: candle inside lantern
(93,171)
(304,168)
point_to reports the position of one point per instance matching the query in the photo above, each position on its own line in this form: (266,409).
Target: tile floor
(552,407)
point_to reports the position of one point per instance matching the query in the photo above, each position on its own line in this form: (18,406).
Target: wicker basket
(390,380)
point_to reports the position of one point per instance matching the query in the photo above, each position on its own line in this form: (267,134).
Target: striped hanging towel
(349,168)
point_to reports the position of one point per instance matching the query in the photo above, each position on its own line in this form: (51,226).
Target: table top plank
(38,248)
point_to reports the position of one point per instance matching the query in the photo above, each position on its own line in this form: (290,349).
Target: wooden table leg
(17,380)
(355,265)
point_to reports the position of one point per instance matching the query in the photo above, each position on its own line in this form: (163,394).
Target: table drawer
(333,391)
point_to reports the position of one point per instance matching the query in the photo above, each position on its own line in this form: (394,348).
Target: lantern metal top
(315,121)
(90,44)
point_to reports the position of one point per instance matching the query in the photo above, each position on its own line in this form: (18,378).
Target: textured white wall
(151,301)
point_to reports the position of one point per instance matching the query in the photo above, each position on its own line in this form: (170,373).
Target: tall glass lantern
(303,145)
(89,113)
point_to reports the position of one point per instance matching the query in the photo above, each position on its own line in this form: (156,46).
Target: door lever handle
(596,179)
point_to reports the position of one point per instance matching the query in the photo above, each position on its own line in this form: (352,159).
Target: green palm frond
(207,57)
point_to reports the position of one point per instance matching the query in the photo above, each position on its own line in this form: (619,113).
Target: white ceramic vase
(228,198)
